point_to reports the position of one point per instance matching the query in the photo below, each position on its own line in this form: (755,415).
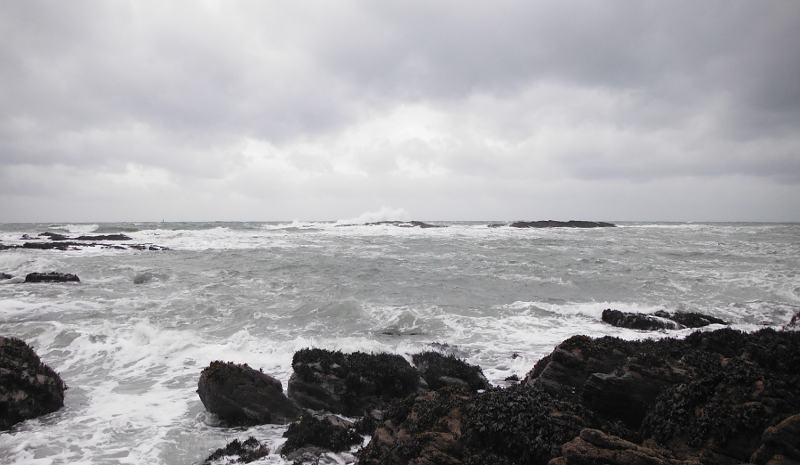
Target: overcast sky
(448,110)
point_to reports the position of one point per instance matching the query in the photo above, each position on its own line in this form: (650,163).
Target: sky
(450,110)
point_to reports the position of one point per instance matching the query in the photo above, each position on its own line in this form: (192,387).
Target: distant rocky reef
(399,224)
(55,241)
(554,224)
(714,398)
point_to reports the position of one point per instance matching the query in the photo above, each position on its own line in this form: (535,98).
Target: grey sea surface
(131,338)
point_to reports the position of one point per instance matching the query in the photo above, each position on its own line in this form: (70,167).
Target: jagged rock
(793,324)
(560,224)
(446,370)
(240,395)
(28,387)
(237,451)
(51,277)
(327,432)
(350,384)
(595,447)
(690,319)
(637,321)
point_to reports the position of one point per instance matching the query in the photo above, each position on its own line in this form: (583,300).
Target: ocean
(131,339)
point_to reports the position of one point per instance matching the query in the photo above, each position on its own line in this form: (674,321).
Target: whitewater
(131,339)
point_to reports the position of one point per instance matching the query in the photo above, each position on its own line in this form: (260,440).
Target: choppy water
(257,292)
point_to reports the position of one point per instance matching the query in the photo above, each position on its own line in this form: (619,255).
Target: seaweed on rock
(245,451)
(327,432)
(440,370)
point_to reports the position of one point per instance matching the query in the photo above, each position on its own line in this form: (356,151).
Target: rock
(350,384)
(240,395)
(28,387)
(595,447)
(5,276)
(782,440)
(54,245)
(51,277)
(637,321)
(246,451)
(327,432)
(690,319)
(794,323)
(560,224)
(104,237)
(446,370)
(53,236)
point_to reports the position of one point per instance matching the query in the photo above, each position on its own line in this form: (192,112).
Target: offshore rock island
(716,397)
(555,224)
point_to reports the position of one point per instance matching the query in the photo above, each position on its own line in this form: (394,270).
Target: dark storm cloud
(227,96)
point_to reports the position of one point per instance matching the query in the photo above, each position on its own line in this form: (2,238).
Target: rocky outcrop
(237,451)
(5,276)
(51,277)
(28,387)
(561,224)
(440,370)
(659,320)
(350,384)
(240,395)
(399,224)
(324,432)
(714,398)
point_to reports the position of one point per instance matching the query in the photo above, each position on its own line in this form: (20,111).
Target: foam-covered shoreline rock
(660,320)
(28,387)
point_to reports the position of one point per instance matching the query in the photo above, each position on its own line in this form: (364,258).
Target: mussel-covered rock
(28,387)
(440,370)
(690,319)
(240,395)
(326,432)
(593,446)
(350,384)
(237,451)
(51,277)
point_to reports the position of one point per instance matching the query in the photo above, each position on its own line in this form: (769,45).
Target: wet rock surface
(240,395)
(5,276)
(399,224)
(659,320)
(55,241)
(440,370)
(350,384)
(237,451)
(325,432)
(51,277)
(720,397)
(28,387)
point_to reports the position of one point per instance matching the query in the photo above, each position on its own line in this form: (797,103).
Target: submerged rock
(690,319)
(5,276)
(28,387)
(237,451)
(240,395)
(104,237)
(446,370)
(350,384)
(399,224)
(51,277)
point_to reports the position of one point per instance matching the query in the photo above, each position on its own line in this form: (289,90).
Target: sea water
(131,339)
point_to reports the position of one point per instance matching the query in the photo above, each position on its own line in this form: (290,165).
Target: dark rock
(246,451)
(327,432)
(782,440)
(240,395)
(54,236)
(54,245)
(794,323)
(446,370)
(51,277)
(513,378)
(690,319)
(28,387)
(104,237)
(5,276)
(350,384)
(560,224)
(595,447)
(399,224)
(743,384)
(636,321)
